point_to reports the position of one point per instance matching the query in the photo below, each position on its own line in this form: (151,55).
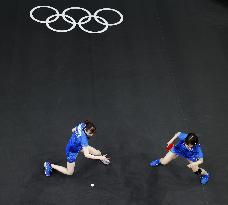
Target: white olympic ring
(101,31)
(72,21)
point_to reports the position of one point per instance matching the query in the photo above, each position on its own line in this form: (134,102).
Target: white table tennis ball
(92,185)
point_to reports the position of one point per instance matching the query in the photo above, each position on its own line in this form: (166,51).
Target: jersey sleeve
(84,139)
(199,152)
(80,129)
(182,136)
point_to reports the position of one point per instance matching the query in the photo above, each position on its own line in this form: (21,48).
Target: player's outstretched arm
(85,150)
(174,138)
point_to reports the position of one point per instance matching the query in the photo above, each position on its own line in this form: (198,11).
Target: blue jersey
(78,139)
(193,154)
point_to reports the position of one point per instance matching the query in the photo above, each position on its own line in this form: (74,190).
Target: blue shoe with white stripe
(155,163)
(204,179)
(47,169)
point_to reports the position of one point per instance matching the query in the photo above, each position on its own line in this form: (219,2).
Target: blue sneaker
(47,169)
(204,179)
(155,163)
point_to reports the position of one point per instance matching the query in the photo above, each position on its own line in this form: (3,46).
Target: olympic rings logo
(81,21)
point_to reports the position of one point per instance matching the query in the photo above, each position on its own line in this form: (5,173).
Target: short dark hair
(90,126)
(191,139)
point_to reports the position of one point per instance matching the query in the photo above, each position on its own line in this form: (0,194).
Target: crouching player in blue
(188,148)
(77,143)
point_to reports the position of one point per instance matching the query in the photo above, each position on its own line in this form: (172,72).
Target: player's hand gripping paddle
(106,161)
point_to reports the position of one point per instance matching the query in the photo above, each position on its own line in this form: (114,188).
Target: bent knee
(70,173)
(195,169)
(164,162)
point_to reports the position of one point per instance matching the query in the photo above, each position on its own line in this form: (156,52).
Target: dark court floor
(163,69)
